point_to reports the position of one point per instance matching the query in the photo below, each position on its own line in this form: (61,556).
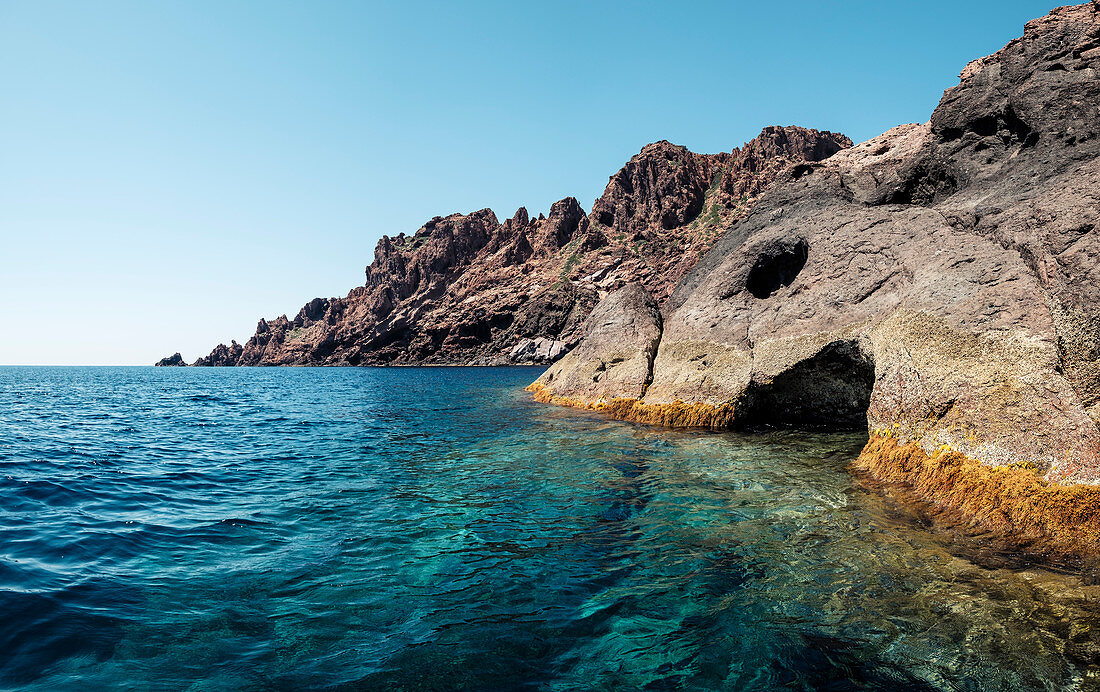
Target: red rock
(468,289)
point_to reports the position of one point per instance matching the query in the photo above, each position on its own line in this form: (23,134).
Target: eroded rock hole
(776,269)
(1006,126)
(830,390)
(801,171)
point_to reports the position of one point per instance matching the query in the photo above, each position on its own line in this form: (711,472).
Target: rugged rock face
(616,356)
(538,351)
(223,355)
(938,284)
(174,360)
(467,289)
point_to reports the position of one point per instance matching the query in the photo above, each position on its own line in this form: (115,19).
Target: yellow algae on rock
(1010,501)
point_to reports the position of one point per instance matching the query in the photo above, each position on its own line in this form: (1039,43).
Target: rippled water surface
(433,528)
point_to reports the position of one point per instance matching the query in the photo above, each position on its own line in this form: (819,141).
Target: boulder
(537,351)
(616,356)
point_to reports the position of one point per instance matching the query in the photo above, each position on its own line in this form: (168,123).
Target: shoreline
(1009,504)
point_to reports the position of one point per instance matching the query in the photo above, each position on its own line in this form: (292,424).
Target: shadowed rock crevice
(830,390)
(922,184)
(1006,126)
(776,268)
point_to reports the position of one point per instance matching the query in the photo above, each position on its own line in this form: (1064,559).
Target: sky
(170,172)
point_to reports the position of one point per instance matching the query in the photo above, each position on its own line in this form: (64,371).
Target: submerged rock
(939,284)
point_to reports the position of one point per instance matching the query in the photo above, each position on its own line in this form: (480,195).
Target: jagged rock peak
(520,218)
(465,287)
(661,187)
(793,142)
(565,218)
(222,356)
(758,162)
(174,360)
(568,207)
(666,185)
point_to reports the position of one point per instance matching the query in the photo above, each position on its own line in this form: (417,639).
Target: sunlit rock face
(938,283)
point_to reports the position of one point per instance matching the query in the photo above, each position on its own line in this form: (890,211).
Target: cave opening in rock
(778,268)
(830,390)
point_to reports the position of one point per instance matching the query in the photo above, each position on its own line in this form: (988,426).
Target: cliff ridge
(468,289)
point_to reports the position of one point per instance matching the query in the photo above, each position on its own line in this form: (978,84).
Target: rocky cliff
(938,284)
(468,289)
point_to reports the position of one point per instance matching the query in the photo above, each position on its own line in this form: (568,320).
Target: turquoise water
(420,529)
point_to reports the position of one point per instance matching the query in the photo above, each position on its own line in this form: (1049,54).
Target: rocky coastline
(938,285)
(467,289)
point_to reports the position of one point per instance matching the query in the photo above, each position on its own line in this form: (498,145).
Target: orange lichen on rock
(675,415)
(1011,501)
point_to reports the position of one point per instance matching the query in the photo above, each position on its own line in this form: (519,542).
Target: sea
(436,529)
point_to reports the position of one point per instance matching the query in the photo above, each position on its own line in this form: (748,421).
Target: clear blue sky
(170,172)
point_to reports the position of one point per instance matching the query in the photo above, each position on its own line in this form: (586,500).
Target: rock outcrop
(616,356)
(538,351)
(938,284)
(468,289)
(174,360)
(224,356)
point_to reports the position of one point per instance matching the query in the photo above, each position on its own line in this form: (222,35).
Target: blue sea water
(433,528)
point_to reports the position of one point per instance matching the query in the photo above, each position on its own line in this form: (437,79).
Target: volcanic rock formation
(939,284)
(467,289)
(174,360)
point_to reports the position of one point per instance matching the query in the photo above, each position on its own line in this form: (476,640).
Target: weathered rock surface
(538,351)
(223,356)
(939,284)
(467,289)
(616,356)
(174,360)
